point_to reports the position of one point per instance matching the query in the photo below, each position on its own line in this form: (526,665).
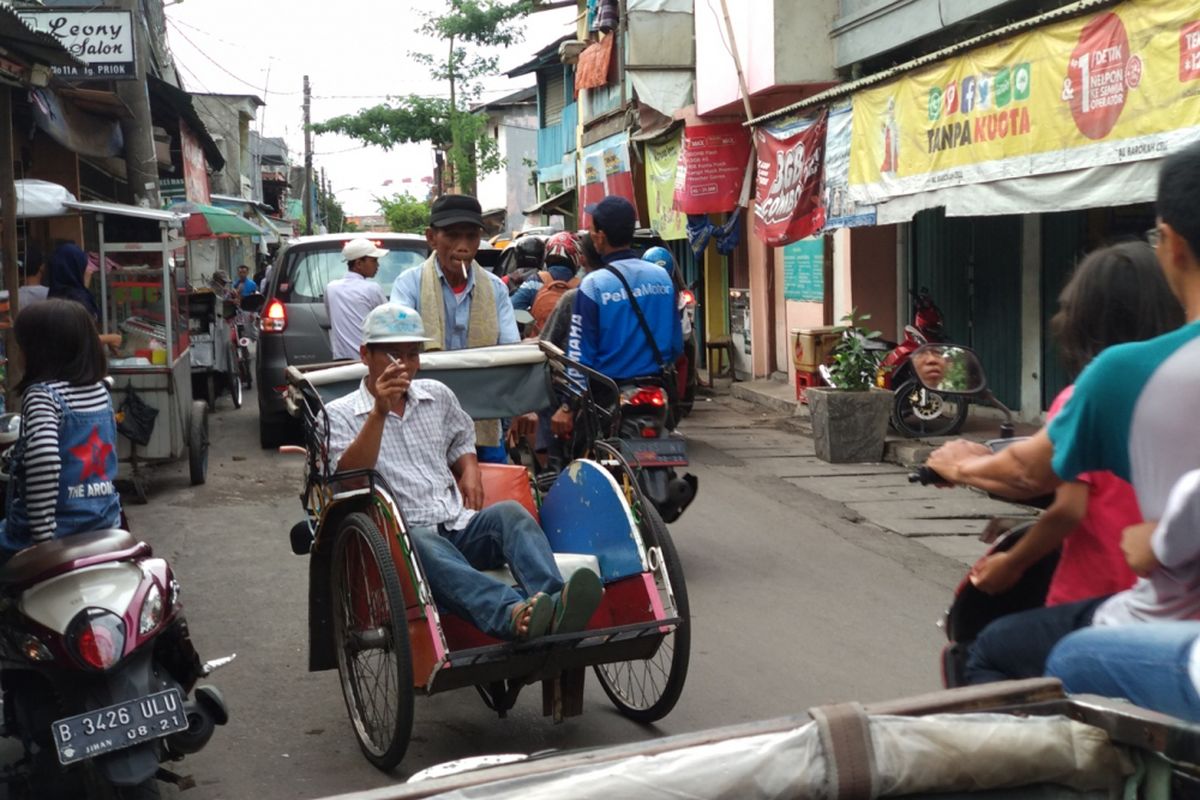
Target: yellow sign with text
(662,161)
(1116,86)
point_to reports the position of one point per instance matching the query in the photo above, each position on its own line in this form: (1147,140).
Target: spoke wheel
(371,634)
(918,411)
(646,690)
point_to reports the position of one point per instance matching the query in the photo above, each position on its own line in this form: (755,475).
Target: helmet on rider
(661,256)
(530,252)
(562,248)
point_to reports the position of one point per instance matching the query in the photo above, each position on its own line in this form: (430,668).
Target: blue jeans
(1016,646)
(1146,663)
(499,534)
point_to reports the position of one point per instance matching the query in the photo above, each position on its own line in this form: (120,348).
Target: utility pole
(141,162)
(8,210)
(308,176)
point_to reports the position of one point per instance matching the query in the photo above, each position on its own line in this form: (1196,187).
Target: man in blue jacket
(606,334)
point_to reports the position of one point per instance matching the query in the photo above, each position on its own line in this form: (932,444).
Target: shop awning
(562,203)
(274,230)
(207,222)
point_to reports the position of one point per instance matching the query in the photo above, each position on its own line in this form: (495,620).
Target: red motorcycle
(916,410)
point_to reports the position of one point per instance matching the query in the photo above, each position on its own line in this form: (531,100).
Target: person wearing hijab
(68,268)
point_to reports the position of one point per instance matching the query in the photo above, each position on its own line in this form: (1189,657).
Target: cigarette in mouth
(464,269)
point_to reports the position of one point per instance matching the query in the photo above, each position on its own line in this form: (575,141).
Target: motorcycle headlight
(152,610)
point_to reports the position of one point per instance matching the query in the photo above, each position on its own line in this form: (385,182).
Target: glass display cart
(143,295)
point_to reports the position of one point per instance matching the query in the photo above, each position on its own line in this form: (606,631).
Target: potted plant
(850,416)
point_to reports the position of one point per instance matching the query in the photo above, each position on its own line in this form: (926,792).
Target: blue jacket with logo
(605,332)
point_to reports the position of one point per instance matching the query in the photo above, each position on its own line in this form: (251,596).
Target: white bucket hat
(393,322)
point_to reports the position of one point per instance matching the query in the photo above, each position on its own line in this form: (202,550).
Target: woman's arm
(1000,571)
(40,418)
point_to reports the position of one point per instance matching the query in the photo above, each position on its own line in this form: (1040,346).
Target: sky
(356,54)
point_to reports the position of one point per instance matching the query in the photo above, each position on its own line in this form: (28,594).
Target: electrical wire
(211,60)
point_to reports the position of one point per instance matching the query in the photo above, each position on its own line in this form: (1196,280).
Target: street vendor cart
(144,298)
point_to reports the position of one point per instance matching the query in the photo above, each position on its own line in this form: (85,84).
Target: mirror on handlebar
(949,369)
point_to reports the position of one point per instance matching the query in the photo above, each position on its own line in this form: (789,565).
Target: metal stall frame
(166,387)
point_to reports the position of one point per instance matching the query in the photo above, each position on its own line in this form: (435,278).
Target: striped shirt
(41,418)
(416,451)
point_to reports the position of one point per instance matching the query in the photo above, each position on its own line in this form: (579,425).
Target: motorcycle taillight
(97,638)
(645,396)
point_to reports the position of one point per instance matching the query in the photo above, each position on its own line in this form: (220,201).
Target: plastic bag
(135,418)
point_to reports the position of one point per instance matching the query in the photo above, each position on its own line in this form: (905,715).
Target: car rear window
(310,271)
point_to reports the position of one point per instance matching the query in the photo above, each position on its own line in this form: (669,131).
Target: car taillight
(97,637)
(686,298)
(646,396)
(274,318)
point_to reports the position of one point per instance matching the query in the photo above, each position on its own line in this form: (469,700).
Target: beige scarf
(483,326)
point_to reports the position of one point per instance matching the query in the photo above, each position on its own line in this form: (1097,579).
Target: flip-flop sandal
(577,602)
(539,618)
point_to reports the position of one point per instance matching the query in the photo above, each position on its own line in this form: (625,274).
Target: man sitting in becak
(416,435)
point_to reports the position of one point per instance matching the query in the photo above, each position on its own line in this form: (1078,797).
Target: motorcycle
(10,431)
(917,410)
(650,444)
(98,671)
(961,374)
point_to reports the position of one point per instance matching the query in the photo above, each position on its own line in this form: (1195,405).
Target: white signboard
(102,40)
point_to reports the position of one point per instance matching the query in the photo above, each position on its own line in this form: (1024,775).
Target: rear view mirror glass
(949,369)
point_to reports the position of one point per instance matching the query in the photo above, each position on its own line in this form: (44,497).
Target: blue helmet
(661,256)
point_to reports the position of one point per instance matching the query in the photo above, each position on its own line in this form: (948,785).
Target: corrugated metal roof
(16,35)
(844,89)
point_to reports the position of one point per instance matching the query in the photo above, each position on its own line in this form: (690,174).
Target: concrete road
(793,604)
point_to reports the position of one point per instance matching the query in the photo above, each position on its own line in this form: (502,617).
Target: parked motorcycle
(918,410)
(959,373)
(98,671)
(10,431)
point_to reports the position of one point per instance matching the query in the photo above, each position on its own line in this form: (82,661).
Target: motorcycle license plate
(670,451)
(116,727)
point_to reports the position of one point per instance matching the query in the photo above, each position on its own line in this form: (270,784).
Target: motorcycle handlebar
(925,476)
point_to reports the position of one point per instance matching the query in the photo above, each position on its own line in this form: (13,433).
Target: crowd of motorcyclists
(1120,450)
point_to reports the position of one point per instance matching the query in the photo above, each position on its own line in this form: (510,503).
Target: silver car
(294,324)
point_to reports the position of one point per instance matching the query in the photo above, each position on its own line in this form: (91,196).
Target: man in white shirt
(417,437)
(348,300)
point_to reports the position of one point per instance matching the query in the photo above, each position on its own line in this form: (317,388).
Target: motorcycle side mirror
(522,316)
(949,369)
(253,303)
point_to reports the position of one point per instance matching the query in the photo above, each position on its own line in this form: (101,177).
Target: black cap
(454,209)
(615,217)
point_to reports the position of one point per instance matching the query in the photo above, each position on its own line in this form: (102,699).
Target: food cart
(145,300)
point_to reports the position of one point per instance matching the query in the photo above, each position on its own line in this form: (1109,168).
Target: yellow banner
(662,158)
(1119,85)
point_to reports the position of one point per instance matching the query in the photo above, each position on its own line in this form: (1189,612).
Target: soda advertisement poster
(1115,86)
(787,197)
(605,170)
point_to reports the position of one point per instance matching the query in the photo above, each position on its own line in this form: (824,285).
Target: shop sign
(787,197)
(102,40)
(605,171)
(840,209)
(712,168)
(1116,86)
(804,270)
(195,167)
(662,159)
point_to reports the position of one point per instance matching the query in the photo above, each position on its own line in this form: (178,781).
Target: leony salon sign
(102,40)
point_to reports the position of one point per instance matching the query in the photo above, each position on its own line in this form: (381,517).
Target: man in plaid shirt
(418,438)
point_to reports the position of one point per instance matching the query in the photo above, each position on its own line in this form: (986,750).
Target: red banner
(787,197)
(712,168)
(195,167)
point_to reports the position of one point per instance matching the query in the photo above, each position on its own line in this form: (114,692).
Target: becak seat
(507,482)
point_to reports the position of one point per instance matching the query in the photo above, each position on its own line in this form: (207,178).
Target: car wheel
(273,431)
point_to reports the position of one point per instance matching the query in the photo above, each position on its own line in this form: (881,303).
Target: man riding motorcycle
(625,323)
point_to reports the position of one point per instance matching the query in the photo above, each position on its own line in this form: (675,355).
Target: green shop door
(972,268)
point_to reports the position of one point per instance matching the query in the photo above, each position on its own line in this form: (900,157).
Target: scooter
(960,374)
(655,450)
(917,410)
(98,671)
